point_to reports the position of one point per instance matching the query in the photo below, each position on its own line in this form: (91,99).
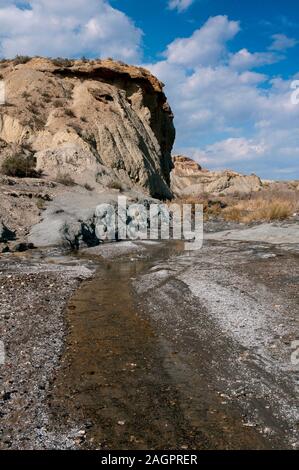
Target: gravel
(33,297)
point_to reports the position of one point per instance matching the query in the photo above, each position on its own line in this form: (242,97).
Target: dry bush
(268,205)
(212,206)
(62,62)
(58,103)
(234,214)
(26,95)
(264,206)
(20,166)
(21,59)
(88,187)
(65,179)
(40,204)
(69,112)
(115,185)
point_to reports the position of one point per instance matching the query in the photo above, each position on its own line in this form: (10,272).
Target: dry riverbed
(160,348)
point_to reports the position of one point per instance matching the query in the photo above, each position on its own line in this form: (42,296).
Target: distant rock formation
(97,121)
(185,165)
(189,179)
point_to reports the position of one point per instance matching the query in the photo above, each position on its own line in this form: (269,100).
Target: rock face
(100,122)
(86,219)
(189,179)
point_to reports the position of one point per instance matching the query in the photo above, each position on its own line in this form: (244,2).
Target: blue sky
(227,65)
(259,19)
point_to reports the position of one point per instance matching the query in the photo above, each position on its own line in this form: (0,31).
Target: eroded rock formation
(97,121)
(189,179)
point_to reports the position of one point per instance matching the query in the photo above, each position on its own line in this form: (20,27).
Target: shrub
(115,185)
(25,95)
(65,179)
(21,59)
(234,214)
(88,187)
(20,166)
(40,204)
(69,112)
(68,93)
(265,206)
(58,104)
(278,210)
(62,62)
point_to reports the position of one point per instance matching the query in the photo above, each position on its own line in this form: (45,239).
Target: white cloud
(67,28)
(180,5)
(233,150)
(244,59)
(281,42)
(206,46)
(226,114)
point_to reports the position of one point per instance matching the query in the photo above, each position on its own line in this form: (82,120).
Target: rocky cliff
(101,122)
(189,179)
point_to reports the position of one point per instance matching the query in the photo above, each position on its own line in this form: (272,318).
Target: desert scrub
(40,204)
(25,95)
(21,59)
(264,206)
(58,103)
(62,62)
(20,166)
(69,112)
(212,206)
(65,179)
(115,185)
(88,187)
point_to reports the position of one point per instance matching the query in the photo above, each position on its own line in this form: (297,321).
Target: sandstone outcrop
(189,179)
(101,122)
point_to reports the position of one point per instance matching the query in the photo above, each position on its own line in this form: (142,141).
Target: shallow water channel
(124,383)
